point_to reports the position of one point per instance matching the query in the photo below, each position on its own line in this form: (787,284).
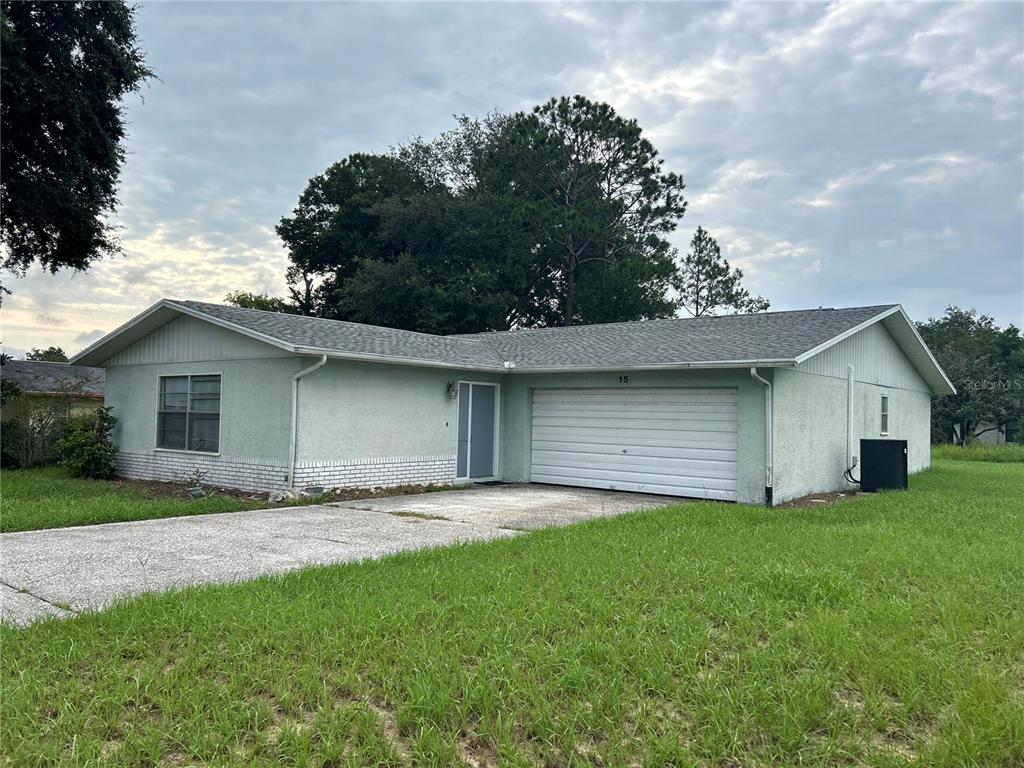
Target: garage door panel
(643,476)
(672,467)
(711,413)
(670,441)
(666,449)
(630,395)
(658,425)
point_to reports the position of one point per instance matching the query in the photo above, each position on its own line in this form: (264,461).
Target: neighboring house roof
(772,339)
(42,378)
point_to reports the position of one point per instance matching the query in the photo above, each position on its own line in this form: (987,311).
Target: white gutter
(768,452)
(294,436)
(851,460)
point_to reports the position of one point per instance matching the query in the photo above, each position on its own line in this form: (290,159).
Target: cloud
(842,153)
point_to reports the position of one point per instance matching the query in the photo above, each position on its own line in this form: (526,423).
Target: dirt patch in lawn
(822,499)
(156,489)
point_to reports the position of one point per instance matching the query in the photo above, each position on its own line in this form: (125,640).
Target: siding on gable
(187,339)
(876,359)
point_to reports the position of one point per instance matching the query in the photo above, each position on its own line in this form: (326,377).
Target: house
(75,389)
(749,408)
(990,433)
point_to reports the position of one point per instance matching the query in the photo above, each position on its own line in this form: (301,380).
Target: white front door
(679,442)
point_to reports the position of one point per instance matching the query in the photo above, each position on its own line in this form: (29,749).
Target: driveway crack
(59,606)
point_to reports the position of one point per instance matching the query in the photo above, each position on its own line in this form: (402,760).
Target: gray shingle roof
(351,338)
(725,339)
(54,378)
(772,336)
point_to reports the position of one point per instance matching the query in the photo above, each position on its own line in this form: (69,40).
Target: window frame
(187,411)
(883,414)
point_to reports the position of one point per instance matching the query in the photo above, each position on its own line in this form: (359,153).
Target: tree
(604,205)
(985,364)
(65,69)
(707,283)
(261,301)
(48,355)
(552,217)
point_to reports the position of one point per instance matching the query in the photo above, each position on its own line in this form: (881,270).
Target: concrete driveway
(63,571)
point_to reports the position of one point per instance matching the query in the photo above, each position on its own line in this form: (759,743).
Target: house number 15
(623,379)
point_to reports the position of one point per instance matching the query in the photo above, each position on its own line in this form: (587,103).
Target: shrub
(87,450)
(30,437)
(9,441)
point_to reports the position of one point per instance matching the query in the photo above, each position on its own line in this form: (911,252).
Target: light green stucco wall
(352,410)
(356,410)
(810,429)
(255,404)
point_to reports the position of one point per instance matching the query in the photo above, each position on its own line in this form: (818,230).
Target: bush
(30,437)
(87,451)
(10,438)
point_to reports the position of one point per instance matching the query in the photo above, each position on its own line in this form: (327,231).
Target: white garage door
(680,442)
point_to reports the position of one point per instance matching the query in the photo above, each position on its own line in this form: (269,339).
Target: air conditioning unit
(883,465)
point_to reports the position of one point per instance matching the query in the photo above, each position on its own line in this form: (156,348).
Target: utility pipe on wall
(294,437)
(851,460)
(768,452)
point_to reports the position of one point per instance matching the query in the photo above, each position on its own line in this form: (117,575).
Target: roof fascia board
(100,342)
(924,346)
(845,335)
(369,358)
(168,304)
(767,363)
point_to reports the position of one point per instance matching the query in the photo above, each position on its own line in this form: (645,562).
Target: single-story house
(748,408)
(75,389)
(990,433)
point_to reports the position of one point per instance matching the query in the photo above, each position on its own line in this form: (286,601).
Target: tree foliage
(552,217)
(48,355)
(707,283)
(985,364)
(261,301)
(87,449)
(65,69)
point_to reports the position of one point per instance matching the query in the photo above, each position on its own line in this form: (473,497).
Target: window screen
(885,414)
(188,416)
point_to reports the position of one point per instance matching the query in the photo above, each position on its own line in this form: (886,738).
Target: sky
(842,155)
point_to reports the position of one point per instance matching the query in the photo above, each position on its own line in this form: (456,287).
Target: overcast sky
(841,154)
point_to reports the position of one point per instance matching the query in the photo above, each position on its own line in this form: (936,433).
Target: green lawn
(1010,454)
(880,631)
(48,498)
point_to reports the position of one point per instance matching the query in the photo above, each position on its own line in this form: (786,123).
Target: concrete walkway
(63,571)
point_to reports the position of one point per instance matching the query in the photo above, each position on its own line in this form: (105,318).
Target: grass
(33,499)
(48,498)
(1008,454)
(878,631)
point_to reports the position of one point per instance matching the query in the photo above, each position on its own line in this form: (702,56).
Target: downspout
(768,452)
(294,437)
(851,460)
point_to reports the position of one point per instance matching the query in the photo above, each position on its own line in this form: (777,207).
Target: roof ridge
(673,319)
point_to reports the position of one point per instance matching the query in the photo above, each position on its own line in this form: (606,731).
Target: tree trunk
(570,292)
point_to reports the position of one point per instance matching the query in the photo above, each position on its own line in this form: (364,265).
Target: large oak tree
(552,217)
(65,69)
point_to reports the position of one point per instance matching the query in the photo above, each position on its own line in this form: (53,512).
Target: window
(885,414)
(188,415)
